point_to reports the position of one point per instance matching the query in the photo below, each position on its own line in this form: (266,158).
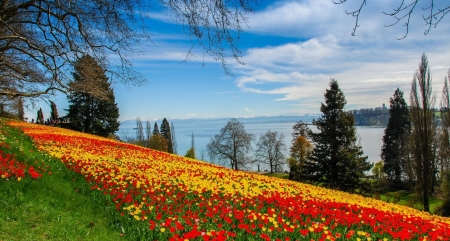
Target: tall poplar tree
(165,132)
(86,112)
(53,112)
(337,161)
(395,138)
(422,105)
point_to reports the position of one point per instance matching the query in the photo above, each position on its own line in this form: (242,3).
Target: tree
(435,12)
(444,149)
(53,112)
(191,152)
(269,150)
(148,130)
(40,117)
(421,112)
(86,112)
(377,170)
(158,142)
(398,129)
(139,132)
(41,39)
(156,130)
(300,129)
(20,110)
(232,144)
(300,153)
(165,132)
(174,139)
(337,160)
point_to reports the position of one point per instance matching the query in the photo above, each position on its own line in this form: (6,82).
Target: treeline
(378,116)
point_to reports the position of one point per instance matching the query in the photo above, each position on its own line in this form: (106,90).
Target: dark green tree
(158,142)
(40,117)
(165,132)
(156,130)
(53,112)
(337,160)
(86,112)
(395,138)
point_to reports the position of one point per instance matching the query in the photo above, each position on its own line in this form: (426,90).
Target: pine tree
(53,112)
(337,160)
(395,137)
(87,113)
(40,117)
(156,130)
(165,132)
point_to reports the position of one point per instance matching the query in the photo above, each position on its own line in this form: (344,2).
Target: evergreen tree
(156,130)
(165,132)
(53,112)
(40,117)
(88,113)
(395,138)
(337,160)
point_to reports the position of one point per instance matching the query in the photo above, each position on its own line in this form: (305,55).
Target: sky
(291,50)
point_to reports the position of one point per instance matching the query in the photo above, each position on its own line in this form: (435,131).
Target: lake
(371,138)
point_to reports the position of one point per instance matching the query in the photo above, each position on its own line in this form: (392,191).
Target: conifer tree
(40,117)
(53,112)
(86,112)
(337,160)
(156,130)
(165,132)
(20,110)
(174,140)
(395,137)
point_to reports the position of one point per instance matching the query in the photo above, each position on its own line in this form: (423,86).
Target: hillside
(158,196)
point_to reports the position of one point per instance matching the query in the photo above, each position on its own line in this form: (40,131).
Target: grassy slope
(53,207)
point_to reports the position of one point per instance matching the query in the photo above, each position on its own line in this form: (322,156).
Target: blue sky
(291,50)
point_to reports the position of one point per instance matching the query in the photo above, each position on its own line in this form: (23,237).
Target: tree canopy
(231,145)
(86,112)
(434,12)
(41,40)
(395,137)
(337,161)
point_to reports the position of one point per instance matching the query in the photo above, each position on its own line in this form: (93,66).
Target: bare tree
(269,150)
(174,139)
(139,132)
(232,144)
(40,40)
(434,13)
(148,130)
(422,104)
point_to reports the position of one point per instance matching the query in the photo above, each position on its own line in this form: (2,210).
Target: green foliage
(393,151)
(40,117)
(165,132)
(53,112)
(58,206)
(371,116)
(337,160)
(191,153)
(156,130)
(158,142)
(377,170)
(86,112)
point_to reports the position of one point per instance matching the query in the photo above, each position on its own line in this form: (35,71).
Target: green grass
(408,199)
(278,174)
(59,206)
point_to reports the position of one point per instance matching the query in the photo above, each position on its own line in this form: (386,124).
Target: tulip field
(177,198)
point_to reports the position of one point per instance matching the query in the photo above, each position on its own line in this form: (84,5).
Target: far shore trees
(337,160)
(270,150)
(231,145)
(396,134)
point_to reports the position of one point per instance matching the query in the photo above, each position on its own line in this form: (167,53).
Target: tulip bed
(176,198)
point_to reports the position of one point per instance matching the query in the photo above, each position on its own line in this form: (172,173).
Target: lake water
(204,129)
